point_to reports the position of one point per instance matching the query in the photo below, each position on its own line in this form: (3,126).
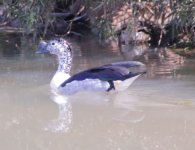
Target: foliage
(185,18)
(36,14)
(167,21)
(28,13)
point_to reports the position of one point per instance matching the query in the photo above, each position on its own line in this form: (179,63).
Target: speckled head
(58,47)
(62,49)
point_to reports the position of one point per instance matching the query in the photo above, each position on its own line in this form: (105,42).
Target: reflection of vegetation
(9,45)
(165,21)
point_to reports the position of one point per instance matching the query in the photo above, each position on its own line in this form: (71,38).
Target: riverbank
(189,53)
(186,49)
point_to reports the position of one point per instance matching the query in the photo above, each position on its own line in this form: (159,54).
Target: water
(155,113)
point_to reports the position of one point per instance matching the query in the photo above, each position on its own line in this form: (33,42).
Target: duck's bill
(42,48)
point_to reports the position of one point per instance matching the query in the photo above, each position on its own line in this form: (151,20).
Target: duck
(116,76)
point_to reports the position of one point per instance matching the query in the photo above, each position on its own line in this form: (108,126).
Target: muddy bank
(189,53)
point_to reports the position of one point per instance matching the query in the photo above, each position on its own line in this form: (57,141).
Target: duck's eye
(53,43)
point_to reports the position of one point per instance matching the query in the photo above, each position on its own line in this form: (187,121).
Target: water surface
(155,113)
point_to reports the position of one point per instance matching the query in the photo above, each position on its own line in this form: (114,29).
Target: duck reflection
(64,119)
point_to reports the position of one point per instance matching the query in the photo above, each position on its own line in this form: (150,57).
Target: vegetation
(27,14)
(165,22)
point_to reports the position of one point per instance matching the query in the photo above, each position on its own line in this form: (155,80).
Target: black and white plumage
(114,76)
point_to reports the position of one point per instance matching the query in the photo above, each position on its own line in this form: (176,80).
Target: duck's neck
(64,64)
(63,72)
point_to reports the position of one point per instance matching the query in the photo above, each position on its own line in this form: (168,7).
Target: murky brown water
(155,113)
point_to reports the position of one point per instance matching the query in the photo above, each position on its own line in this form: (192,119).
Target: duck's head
(59,47)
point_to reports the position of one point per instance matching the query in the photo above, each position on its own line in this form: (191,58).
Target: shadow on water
(156,112)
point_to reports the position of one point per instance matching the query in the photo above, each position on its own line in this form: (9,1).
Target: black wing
(110,72)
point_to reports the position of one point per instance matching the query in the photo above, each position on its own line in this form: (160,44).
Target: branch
(60,14)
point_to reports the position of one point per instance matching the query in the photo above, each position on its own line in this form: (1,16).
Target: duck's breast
(58,79)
